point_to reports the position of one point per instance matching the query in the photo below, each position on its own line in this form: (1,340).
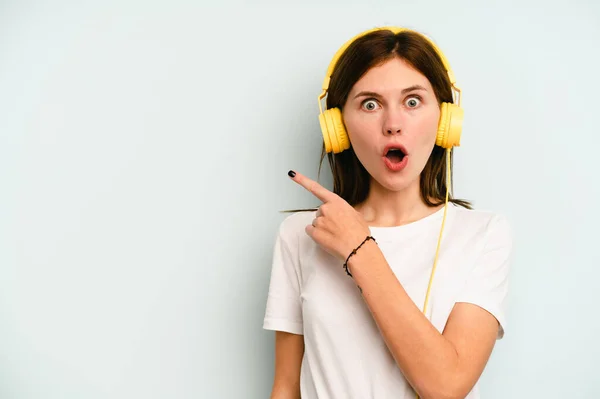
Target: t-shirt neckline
(395,232)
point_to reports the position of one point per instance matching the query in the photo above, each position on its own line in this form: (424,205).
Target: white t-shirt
(345,355)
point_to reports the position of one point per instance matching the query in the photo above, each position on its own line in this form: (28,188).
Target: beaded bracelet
(354,253)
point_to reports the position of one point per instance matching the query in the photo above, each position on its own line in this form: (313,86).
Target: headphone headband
(395,30)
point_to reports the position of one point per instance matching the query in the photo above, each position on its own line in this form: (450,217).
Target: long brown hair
(351,181)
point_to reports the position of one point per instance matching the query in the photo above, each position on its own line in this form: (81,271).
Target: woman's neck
(385,208)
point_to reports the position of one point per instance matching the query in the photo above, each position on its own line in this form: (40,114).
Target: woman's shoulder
(484,221)
(294,224)
(482,216)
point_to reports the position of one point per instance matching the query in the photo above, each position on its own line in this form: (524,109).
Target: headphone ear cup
(325,132)
(334,132)
(450,126)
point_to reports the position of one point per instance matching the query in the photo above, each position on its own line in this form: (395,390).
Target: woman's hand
(338,228)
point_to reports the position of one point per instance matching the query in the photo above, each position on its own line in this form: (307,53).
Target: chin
(396,182)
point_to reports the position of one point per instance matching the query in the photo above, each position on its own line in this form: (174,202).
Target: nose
(392,124)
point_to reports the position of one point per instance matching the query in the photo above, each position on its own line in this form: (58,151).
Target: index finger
(312,186)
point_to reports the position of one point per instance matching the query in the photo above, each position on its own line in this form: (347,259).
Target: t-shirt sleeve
(487,284)
(283,309)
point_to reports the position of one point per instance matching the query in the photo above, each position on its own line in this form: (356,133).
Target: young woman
(392,288)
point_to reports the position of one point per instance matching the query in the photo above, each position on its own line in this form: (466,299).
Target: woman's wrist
(366,255)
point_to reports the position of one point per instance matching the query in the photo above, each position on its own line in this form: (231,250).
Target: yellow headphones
(332,125)
(448,134)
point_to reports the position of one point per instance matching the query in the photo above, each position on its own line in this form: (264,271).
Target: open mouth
(395,155)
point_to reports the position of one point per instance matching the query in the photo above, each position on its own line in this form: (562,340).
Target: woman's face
(392,106)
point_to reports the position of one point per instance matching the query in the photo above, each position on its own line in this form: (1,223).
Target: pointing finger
(312,186)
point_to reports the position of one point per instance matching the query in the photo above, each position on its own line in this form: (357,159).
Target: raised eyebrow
(368,94)
(377,95)
(413,88)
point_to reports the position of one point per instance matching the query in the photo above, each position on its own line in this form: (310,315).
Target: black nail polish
(291,173)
